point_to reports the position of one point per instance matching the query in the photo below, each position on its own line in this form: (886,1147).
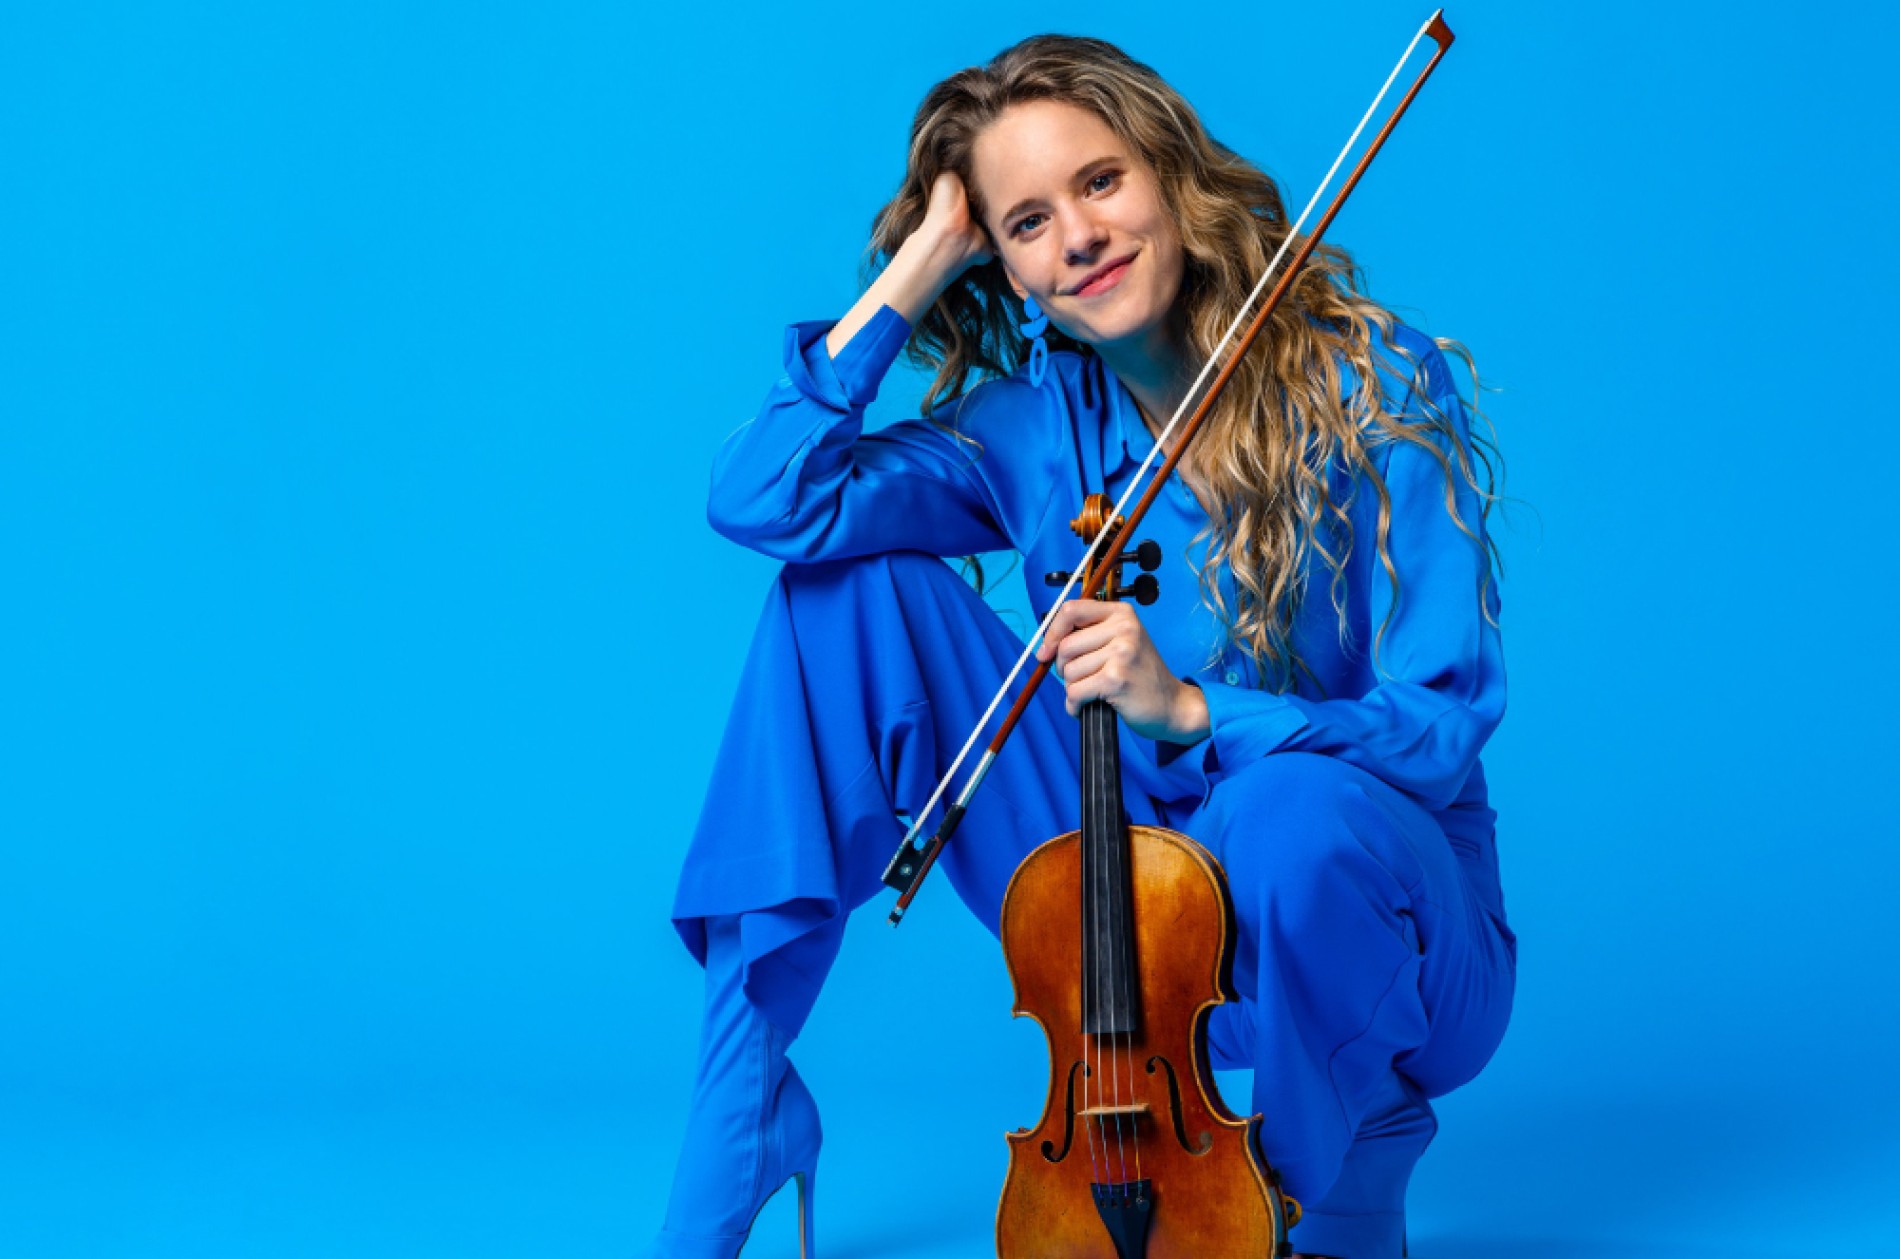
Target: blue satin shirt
(803,482)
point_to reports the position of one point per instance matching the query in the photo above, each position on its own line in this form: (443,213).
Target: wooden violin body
(1209,1192)
(1119,940)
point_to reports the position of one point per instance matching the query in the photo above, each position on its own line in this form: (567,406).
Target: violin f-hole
(1068,1119)
(1174,1110)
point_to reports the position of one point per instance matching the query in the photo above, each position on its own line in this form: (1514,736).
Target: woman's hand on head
(930,259)
(1102,651)
(949,231)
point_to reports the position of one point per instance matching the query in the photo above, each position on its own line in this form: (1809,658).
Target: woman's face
(1079,224)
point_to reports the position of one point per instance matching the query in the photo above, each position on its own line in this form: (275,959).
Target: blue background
(366,649)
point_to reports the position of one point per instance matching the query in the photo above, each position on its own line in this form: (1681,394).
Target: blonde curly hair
(1263,452)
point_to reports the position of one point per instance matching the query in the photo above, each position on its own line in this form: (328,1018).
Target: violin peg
(1148,555)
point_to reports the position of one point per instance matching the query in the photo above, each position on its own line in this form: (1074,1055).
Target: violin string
(1112,1060)
(1091,1121)
(1161,443)
(1118,872)
(1123,871)
(1091,963)
(1121,1147)
(1091,1082)
(1126,865)
(1107,726)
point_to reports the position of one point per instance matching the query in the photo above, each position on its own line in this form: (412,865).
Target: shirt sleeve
(1440,665)
(802,482)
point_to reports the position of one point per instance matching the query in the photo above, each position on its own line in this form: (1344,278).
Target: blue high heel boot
(753,1127)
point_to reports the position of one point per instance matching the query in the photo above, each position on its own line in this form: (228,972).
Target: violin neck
(1110,1002)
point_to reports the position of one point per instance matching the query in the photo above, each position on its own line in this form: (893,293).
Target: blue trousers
(1371,960)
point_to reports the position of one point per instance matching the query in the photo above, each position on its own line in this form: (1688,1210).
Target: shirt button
(1233,678)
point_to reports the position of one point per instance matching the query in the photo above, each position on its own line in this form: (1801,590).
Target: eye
(1095,184)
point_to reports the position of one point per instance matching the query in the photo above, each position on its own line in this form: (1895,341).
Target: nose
(1083,239)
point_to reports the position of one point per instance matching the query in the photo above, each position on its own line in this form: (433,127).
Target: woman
(1307,699)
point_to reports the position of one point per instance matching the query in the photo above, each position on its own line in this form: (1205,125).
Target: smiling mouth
(1106,278)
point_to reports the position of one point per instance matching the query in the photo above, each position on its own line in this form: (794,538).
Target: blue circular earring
(1038,348)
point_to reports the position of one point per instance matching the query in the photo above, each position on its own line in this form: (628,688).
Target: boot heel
(807,1195)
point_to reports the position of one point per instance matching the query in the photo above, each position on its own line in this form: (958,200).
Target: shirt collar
(1126,440)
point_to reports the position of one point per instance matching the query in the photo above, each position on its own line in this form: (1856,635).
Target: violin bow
(912,863)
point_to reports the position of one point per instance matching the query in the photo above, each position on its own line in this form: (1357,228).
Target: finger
(1053,635)
(1083,641)
(1089,611)
(1083,667)
(1112,658)
(1102,682)
(1119,625)
(1068,617)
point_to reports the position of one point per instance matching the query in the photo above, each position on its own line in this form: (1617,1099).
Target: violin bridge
(1126,1110)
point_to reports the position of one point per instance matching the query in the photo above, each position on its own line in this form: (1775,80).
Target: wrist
(1191,721)
(909,285)
(930,262)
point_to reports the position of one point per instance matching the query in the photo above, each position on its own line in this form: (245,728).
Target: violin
(1119,940)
